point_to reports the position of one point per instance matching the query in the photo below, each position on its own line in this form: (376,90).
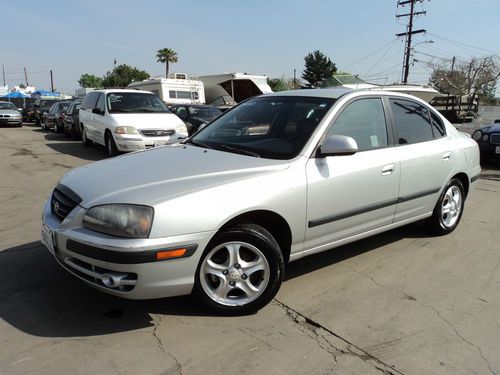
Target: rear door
(426,160)
(99,120)
(353,194)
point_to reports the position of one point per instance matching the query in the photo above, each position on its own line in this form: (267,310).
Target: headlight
(485,137)
(181,129)
(477,135)
(126,130)
(120,220)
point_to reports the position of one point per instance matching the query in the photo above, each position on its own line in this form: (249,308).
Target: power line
(370,54)
(465,44)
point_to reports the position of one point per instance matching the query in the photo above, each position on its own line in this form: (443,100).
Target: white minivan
(128,120)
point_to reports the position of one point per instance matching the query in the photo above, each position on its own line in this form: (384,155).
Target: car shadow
(40,298)
(324,259)
(75,148)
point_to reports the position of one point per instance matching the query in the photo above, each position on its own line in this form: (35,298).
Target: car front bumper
(129,263)
(135,143)
(10,121)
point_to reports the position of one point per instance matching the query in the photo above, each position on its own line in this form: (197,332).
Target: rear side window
(101,103)
(363,120)
(412,121)
(437,126)
(90,100)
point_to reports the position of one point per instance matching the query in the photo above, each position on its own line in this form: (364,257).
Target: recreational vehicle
(177,89)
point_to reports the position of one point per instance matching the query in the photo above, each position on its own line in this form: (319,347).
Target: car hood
(493,128)
(9,112)
(147,120)
(155,176)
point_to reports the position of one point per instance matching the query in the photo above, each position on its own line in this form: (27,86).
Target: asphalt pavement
(402,302)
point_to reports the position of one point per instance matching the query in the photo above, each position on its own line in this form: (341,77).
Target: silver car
(277,178)
(10,115)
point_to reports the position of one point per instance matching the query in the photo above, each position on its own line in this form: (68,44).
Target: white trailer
(239,86)
(177,89)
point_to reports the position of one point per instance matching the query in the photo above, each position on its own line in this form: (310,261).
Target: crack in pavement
(307,323)
(436,311)
(162,348)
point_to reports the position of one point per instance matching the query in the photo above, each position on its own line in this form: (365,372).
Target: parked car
(42,106)
(28,112)
(220,215)
(488,139)
(128,120)
(10,115)
(195,115)
(55,117)
(72,120)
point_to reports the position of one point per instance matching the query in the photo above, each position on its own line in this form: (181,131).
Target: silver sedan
(276,178)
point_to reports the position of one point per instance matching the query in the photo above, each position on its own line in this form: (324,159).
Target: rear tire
(240,271)
(449,208)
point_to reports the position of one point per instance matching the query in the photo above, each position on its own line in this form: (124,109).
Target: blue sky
(260,37)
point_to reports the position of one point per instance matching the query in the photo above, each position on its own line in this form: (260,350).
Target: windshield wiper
(237,150)
(198,144)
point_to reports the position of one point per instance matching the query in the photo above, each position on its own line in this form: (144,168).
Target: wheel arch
(269,220)
(464,179)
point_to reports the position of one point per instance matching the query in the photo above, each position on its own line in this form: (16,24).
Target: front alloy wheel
(241,270)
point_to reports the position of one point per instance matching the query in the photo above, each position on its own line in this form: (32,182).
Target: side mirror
(97,111)
(336,145)
(20,109)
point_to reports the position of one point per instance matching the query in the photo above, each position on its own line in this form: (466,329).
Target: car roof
(333,93)
(106,91)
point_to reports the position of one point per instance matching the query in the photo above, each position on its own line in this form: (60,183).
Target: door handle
(388,170)
(447,156)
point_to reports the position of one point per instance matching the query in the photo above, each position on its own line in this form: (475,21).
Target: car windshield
(62,106)
(204,112)
(7,105)
(132,102)
(46,104)
(269,127)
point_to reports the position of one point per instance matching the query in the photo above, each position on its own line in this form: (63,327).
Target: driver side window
(363,120)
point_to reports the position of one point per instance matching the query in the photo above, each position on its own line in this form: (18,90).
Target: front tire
(240,271)
(111,145)
(449,208)
(85,141)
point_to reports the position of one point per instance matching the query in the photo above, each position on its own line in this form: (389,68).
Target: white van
(128,120)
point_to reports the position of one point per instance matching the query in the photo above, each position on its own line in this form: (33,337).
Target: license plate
(47,238)
(497,150)
(160,143)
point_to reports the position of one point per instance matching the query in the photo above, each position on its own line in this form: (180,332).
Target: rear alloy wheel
(85,141)
(449,208)
(240,272)
(111,145)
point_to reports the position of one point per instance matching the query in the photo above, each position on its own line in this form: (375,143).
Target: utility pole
(51,81)
(26,76)
(453,65)
(408,34)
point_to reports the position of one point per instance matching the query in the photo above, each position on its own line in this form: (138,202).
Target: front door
(353,194)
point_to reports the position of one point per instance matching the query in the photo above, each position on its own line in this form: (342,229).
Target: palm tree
(166,56)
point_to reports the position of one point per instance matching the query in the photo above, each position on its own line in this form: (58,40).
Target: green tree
(318,68)
(90,80)
(166,56)
(123,75)
(278,84)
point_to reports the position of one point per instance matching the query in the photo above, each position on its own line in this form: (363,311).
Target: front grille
(495,139)
(63,201)
(156,132)
(8,116)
